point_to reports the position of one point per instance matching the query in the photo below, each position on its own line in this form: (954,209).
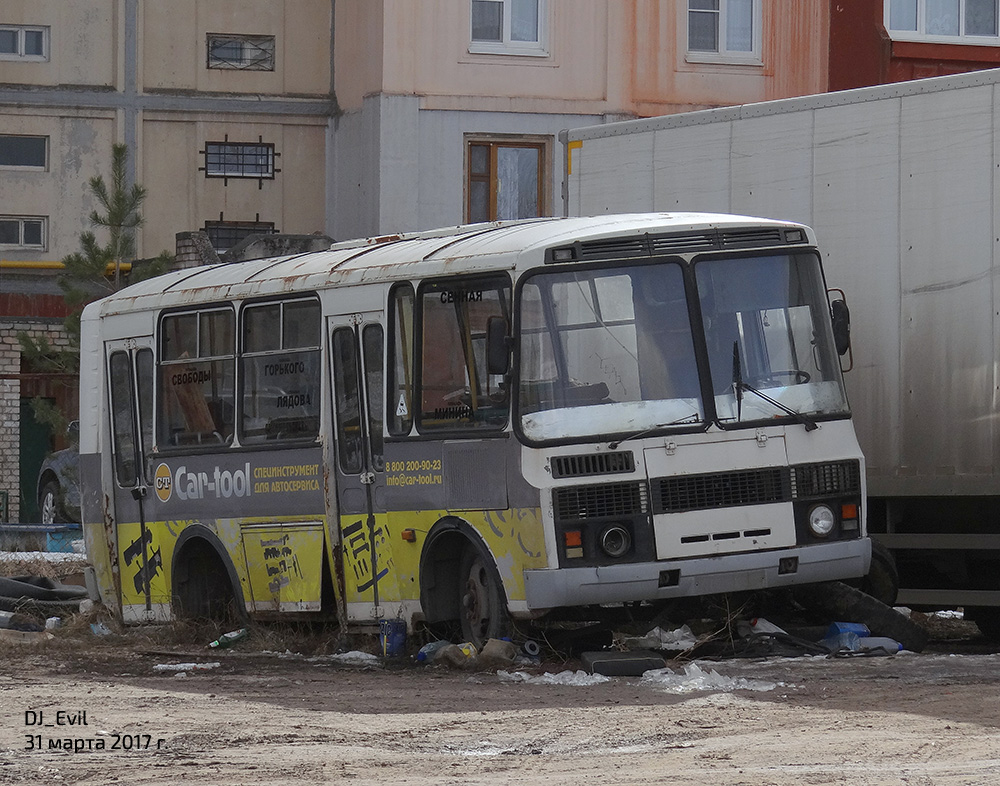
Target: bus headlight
(616,541)
(821,521)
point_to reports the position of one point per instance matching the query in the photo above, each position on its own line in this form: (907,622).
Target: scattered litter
(579,677)
(186,666)
(229,639)
(429,651)
(356,658)
(761,625)
(53,622)
(658,639)
(86,606)
(497,653)
(100,629)
(951,614)
(458,656)
(695,678)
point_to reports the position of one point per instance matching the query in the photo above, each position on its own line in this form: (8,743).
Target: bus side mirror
(497,346)
(840,315)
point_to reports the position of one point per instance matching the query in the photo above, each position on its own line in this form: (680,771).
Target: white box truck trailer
(902,185)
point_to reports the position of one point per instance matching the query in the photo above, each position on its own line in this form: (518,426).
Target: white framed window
(240,159)
(24,42)
(724,31)
(944,21)
(24,152)
(23,232)
(509,27)
(241,52)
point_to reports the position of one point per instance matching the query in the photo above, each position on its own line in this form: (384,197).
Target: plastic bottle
(428,652)
(848,641)
(891,646)
(229,639)
(761,625)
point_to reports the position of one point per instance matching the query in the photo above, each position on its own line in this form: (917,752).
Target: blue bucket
(392,637)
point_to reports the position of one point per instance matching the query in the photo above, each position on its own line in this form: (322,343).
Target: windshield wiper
(694,417)
(739,385)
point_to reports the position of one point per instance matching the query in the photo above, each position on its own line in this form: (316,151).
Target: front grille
(593,464)
(607,499)
(721,490)
(823,480)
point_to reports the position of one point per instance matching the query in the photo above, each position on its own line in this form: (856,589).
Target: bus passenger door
(130,372)
(357,367)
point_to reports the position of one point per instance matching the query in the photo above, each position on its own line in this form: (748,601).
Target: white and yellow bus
(473,425)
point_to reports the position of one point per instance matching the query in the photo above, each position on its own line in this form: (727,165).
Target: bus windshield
(769,337)
(610,351)
(606,351)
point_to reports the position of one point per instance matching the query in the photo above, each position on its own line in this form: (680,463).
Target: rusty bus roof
(412,256)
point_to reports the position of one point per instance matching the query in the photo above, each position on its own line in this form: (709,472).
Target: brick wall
(12,388)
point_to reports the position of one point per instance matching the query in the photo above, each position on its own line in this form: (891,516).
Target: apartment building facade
(343,117)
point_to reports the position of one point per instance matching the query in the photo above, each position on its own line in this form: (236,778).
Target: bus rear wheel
(482,601)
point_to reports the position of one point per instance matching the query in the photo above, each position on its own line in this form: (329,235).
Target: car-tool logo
(219,483)
(162,482)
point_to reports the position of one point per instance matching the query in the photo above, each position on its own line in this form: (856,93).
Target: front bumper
(553,588)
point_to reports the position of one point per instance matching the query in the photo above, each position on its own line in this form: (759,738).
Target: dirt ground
(263,718)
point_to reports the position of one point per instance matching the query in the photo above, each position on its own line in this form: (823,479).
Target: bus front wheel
(482,601)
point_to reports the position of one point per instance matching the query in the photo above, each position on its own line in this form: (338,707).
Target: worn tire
(882,581)
(482,602)
(847,604)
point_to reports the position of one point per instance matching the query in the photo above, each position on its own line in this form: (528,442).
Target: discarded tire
(847,604)
(40,595)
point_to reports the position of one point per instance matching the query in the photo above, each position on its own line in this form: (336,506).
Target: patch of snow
(579,677)
(185,666)
(356,658)
(695,678)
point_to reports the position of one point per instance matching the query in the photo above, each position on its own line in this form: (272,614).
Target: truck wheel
(842,603)
(882,581)
(987,618)
(482,601)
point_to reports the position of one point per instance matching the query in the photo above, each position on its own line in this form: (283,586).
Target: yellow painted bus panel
(515,539)
(159,550)
(285,564)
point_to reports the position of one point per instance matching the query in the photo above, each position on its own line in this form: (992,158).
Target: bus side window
(456,390)
(123,420)
(197,364)
(280,371)
(400,365)
(372,347)
(347,396)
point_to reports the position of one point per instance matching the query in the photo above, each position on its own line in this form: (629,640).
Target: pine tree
(93,272)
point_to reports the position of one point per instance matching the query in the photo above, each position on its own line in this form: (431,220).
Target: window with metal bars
(226,234)
(240,159)
(241,52)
